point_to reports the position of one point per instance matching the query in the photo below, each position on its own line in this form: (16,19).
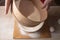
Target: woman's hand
(8,2)
(46,3)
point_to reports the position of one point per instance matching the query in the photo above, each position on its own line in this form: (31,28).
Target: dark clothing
(57,2)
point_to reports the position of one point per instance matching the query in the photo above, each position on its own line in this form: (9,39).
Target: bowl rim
(30,29)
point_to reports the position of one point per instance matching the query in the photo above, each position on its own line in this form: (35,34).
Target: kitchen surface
(7,24)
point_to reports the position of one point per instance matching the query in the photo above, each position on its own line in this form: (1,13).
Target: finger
(7,5)
(46,3)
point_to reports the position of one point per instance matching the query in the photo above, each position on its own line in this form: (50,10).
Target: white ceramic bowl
(31,29)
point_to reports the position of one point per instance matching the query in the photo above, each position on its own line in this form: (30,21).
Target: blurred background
(2,2)
(7,22)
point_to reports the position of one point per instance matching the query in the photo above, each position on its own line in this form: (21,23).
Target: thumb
(44,6)
(46,3)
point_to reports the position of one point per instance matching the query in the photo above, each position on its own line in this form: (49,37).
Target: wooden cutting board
(44,32)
